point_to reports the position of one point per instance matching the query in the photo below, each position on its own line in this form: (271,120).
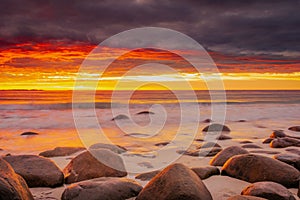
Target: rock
(278,134)
(147,176)
(118,117)
(295,128)
(29,133)
(227,153)
(251,146)
(208,145)
(268,190)
(242,120)
(162,144)
(246,142)
(202,152)
(145,164)
(12,185)
(255,168)
(145,113)
(206,172)
(85,166)
(216,127)
(188,152)
(291,159)
(268,140)
(115,148)
(207,121)
(138,135)
(245,197)
(102,188)
(223,137)
(36,170)
(294,151)
(285,142)
(264,151)
(175,182)
(61,151)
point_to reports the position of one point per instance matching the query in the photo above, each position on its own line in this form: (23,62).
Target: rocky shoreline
(230,170)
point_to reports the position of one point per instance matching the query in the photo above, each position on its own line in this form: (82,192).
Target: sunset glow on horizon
(53,65)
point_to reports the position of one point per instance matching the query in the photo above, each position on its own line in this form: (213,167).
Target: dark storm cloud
(243,27)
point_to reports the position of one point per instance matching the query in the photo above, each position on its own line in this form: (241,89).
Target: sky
(255,44)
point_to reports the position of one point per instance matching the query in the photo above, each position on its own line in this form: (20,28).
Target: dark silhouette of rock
(206,172)
(268,140)
(245,197)
(102,188)
(246,142)
(36,170)
(216,127)
(242,120)
(162,144)
(61,151)
(278,134)
(145,113)
(208,145)
(12,185)
(85,166)
(29,133)
(225,154)
(147,176)
(285,142)
(200,152)
(207,121)
(119,117)
(255,168)
(251,146)
(175,182)
(268,190)
(115,148)
(291,159)
(295,128)
(223,137)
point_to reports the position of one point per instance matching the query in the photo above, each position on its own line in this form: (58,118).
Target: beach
(250,120)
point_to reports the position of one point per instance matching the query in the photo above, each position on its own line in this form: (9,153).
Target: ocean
(249,114)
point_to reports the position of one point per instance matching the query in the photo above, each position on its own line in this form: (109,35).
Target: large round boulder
(12,185)
(227,153)
(99,163)
(102,188)
(36,170)
(175,182)
(61,151)
(268,190)
(291,159)
(255,168)
(285,142)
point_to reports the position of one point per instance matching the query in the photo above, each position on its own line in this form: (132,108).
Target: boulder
(294,151)
(295,128)
(225,154)
(36,170)
(285,142)
(245,197)
(206,172)
(255,168)
(29,133)
(268,140)
(223,137)
(85,166)
(119,117)
(146,112)
(251,146)
(265,152)
(268,190)
(216,128)
(175,182)
(207,121)
(147,176)
(61,151)
(102,188)
(246,142)
(291,159)
(12,185)
(208,145)
(115,148)
(161,144)
(278,134)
